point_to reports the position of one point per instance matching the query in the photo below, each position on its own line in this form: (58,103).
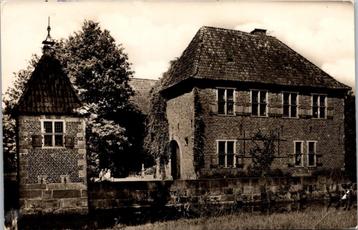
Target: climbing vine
(263,151)
(199,129)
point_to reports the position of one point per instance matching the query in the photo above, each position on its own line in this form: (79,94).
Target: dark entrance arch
(175,159)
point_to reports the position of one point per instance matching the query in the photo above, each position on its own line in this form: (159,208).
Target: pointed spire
(48,42)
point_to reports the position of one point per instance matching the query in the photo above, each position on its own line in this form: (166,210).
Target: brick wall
(180,115)
(329,133)
(52,180)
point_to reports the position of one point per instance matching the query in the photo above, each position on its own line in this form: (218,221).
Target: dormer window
(225,99)
(53,133)
(259,103)
(319,106)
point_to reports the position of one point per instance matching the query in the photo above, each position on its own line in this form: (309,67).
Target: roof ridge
(226,29)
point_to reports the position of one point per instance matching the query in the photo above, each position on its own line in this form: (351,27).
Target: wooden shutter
(36,141)
(214,108)
(69,141)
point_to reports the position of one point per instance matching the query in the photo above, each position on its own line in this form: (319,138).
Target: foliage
(12,94)
(199,130)
(9,144)
(99,69)
(263,151)
(100,72)
(156,142)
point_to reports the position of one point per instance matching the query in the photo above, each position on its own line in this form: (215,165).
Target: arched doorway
(175,159)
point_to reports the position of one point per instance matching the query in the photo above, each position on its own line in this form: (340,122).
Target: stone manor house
(247,83)
(243,83)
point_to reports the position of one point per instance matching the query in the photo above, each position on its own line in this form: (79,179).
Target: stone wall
(329,132)
(180,115)
(52,179)
(245,190)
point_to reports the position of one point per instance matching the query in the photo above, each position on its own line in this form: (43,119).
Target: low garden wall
(124,194)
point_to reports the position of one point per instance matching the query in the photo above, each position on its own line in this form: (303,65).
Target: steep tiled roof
(222,54)
(141,95)
(48,91)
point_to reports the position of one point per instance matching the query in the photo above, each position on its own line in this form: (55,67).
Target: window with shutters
(298,153)
(53,133)
(226,150)
(319,106)
(259,103)
(226,101)
(290,101)
(311,153)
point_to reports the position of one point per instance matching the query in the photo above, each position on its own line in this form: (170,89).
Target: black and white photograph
(154,114)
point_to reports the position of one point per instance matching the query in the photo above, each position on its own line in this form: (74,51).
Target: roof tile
(222,54)
(48,91)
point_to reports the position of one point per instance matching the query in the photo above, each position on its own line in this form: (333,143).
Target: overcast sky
(154,32)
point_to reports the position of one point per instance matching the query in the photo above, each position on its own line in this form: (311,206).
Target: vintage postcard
(178,115)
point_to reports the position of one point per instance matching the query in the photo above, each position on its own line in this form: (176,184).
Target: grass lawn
(308,219)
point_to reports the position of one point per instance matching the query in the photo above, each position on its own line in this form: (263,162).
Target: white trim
(234,153)
(290,103)
(319,105)
(225,100)
(294,152)
(53,134)
(315,152)
(258,102)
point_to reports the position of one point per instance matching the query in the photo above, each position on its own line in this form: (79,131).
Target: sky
(155,32)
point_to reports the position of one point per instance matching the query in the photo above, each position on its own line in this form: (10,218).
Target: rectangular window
(290,104)
(53,132)
(226,101)
(298,145)
(311,153)
(319,106)
(258,103)
(226,153)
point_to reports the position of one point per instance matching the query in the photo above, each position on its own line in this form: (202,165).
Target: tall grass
(309,219)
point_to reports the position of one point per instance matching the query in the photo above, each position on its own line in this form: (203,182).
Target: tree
(100,71)
(9,144)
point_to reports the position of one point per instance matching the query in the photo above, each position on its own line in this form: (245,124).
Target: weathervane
(48,41)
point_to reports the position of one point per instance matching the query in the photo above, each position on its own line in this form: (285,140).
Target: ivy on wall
(199,130)
(263,151)
(157,129)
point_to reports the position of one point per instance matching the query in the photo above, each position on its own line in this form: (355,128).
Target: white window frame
(294,152)
(258,97)
(225,99)
(319,105)
(315,153)
(289,104)
(53,133)
(234,153)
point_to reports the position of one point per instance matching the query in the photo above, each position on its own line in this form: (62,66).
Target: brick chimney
(258,31)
